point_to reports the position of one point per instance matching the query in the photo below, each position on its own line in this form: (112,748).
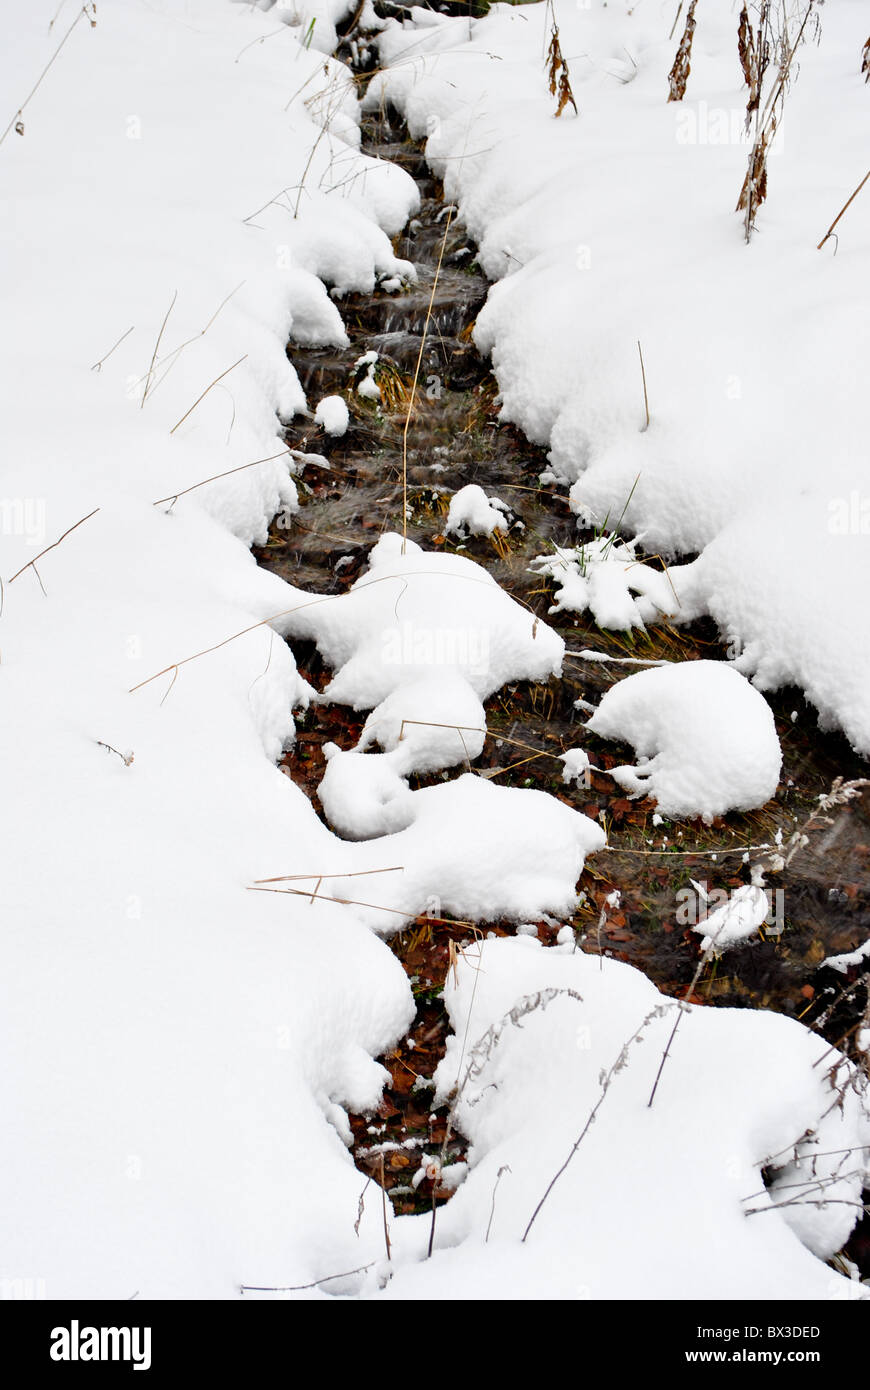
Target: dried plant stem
(431,1228)
(297,1288)
(83,13)
(384,1205)
(206,391)
(679,73)
(354,902)
(97,365)
(830,230)
(320,598)
(489,733)
(31,564)
(505,1168)
(643,377)
(357,873)
(605,1081)
(150,371)
(172,357)
(173,498)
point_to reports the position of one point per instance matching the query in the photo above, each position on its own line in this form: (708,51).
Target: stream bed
(455,438)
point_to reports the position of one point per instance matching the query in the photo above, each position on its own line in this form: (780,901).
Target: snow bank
(618,226)
(739,1092)
(183,1048)
(705,739)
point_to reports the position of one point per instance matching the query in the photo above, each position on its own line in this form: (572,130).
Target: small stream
(454,439)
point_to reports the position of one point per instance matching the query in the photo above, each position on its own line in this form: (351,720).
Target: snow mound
(472,513)
(538,1034)
(436,724)
(474,851)
(418,615)
(736,920)
(364,794)
(705,738)
(333,416)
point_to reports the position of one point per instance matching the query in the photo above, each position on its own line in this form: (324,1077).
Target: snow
(184,1049)
(195,986)
(438,723)
(705,739)
(415,613)
(739,1091)
(333,415)
(576,766)
(847,959)
(753,355)
(472,513)
(472,850)
(606,576)
(735,921)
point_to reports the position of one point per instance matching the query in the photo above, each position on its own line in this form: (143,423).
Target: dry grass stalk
(830,231)
(88,12)
(679,73)
(172,357)
(175,666)
(557,70)
(150,371)
(605,1080)
(206,391)
(31,564)
(757,45)
(99,365)
(296,1288)
(645,394)
(182,492)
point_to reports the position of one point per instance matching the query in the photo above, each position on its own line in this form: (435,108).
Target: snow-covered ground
(187,195)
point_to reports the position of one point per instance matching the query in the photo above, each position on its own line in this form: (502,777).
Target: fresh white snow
(705,739)
(194,986)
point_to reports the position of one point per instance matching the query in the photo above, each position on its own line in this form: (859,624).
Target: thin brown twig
(172,357)
(297,1288)
(830,230)
(215,476)
(32,563)
(643,375)
(320,598)
(384,1205)
(206,391)
(97,365)
(150,370)
(354,902)
(16,118)
(357,873)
